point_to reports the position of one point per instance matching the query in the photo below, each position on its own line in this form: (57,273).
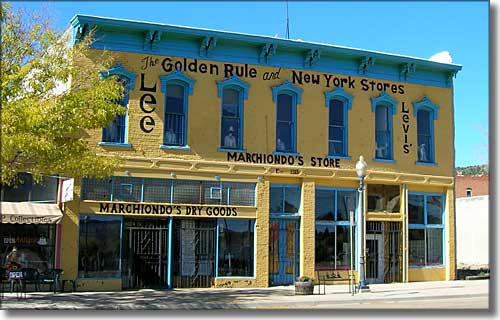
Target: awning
(30,213)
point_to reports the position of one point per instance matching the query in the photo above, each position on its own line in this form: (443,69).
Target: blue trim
(286,153)
(425,103)
(386,100)
(433,164)
(119,70)
(212,189)
(169,257)
(217,249)
(121,242)
(341,95)
(231,150)
(338,157)
(440,266)
(164,146)
(114,144)
(384,160)
(289,88)
(233,83)
(142,189)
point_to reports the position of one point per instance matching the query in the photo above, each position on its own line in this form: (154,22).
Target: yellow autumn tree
(50,93)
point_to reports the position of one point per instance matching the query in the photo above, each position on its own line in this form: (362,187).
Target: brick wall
(478,184)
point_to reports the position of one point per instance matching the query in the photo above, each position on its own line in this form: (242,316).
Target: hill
(478,170)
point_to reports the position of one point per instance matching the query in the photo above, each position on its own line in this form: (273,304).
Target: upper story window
(116,131)
(233,92)
(425,112)
(287,97)
(284,199)
(338,103)
(177,87)
(468,192)
(29,190)
(384,108)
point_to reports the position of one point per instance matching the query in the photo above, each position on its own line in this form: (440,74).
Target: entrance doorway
(193,253)
(375,258)
(283,251)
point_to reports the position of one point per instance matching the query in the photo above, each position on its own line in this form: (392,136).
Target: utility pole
(287,22)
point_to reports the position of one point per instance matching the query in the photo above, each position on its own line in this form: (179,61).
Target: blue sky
(418,29)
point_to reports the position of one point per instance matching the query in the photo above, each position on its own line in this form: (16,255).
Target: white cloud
(443,56)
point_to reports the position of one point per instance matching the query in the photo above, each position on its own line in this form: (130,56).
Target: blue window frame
(116,132)
(284,200)
(177,87)
(338,103)
(233,92)
(426,229)
(332,213)
(287,97)
(384,108)
(426,112)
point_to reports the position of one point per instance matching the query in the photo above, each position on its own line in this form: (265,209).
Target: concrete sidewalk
(337,296)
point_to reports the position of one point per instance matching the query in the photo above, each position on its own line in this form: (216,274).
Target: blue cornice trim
(384,99)
(119,70)
(340,94)
(426,103)
(287,87)
(233,82)
(177,76)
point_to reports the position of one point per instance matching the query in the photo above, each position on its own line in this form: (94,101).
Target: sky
(417,29)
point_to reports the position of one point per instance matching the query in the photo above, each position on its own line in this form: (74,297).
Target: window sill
(440,266)
(114,144)
(330,156)
(164,146)
(231,150)
(384,160)
(285,153)
(432,164)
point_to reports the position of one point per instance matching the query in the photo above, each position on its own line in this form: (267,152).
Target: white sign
(67,190)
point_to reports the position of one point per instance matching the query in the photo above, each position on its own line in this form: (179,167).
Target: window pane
(231,97)
(99,247)
(325,205)
(127,189)
(276,200)
(284,107)
(381,118)
(187,191)
(236,248)
(284,136)
(434,210)
(230,111)
(434,246)
(336,113)
(292,200)
(115,131)
(417,246)
(336,133)
(325,246)
(423,122)
(173,133)
(424,145)
(240,193)
(157,190)
(346,202)
(343,248)
(383,198)
(336,148)
(416,209)
(230,133)
(93,189)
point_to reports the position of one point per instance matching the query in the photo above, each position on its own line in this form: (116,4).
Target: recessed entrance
(283,251)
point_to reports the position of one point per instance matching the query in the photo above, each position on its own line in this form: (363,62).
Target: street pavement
(415,295)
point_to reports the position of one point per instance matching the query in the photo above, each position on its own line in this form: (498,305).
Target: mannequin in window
(380,151)
(12,260)
(229,139)
(422,152)
(280,145)
(170,137)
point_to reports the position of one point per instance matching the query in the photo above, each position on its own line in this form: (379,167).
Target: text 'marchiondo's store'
(239,163)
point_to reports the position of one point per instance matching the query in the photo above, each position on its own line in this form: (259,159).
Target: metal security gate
(193,253)
(145,245)
(283,251)
(394,252)
(374,252)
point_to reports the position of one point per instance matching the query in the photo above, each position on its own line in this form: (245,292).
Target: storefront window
(236,248)
(426,229)
(35,245)
(383,198)
(284,199)
(28,190)
(99,247)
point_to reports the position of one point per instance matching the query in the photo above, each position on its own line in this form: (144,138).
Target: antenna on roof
(287,22)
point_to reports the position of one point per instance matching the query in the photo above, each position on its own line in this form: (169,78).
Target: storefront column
(69,236)
(450,241)
(262,234)
(307,229)
(404,227)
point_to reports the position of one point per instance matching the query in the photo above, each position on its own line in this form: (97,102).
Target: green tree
(51,93)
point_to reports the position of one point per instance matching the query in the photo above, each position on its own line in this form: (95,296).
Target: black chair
(53,278)
(30,276)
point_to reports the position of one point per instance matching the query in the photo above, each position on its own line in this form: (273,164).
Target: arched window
(425,112)
(233,92)
(116,132)
(286,97)
(338,103)
(177,87)
(384,108)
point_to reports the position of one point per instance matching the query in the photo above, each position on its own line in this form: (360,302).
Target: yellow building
(239,164)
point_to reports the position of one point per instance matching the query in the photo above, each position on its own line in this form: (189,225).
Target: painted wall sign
(406,126)
(291,160)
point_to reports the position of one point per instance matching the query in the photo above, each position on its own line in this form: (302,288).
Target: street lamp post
(361,172)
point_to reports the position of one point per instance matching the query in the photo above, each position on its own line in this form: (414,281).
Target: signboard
(67,190)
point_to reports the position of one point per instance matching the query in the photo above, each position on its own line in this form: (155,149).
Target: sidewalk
(337,296)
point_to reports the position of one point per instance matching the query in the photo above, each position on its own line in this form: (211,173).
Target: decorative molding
(384,99)
(425,103)
(267,51)
(406,70)
(341,94)
(312,57)
(232,82)
(288,87)
(80,31)
(449,79)
(365,64)
(151,40)
(207,45)
(120,71)
(177,77)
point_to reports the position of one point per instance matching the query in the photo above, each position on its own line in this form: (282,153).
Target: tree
(50,93)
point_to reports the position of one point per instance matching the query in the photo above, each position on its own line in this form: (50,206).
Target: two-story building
(239,156)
